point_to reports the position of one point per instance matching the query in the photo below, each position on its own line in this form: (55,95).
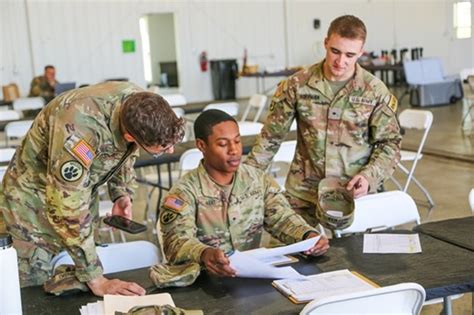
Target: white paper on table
(123,303)
(286,250)
(249,267)
(96,308)
(391,244)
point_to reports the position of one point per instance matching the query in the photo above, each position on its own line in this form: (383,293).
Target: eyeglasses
(155,155)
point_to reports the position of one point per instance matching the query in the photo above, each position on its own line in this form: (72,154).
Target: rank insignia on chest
(174,203)
(362,100)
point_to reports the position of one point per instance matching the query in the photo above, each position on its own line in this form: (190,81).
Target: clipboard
(357,281)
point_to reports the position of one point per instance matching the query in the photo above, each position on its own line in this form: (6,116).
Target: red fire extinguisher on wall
(203,61)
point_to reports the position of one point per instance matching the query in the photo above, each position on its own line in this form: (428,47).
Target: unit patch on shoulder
(71,171)
(80,149)
(173,203)
(167,217)
(393,104)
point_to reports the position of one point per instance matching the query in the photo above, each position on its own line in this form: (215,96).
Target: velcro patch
(167,217)
(80,149)
(393,104)
(71,171)
(174,203)
(362,100)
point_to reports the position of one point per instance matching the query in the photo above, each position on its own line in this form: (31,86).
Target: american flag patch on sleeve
(84,152)
(174,203)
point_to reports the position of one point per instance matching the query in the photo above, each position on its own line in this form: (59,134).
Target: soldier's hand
(320,247)
(359,186)
(101,286)
(123,207)
(217,263)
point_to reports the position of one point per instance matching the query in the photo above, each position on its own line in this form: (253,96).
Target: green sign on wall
(128,46)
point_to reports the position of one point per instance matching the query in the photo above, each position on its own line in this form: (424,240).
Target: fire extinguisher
(203,61)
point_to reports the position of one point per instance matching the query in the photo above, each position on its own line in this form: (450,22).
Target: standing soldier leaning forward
(79,141)
(346,118)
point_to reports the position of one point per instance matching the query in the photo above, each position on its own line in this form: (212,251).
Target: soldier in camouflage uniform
(223,206)
(346,118)
(79,141)
(44,85)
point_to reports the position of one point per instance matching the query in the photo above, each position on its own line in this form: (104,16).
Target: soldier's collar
(118,138)
(210,189)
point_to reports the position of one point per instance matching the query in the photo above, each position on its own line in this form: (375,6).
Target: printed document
(391,244)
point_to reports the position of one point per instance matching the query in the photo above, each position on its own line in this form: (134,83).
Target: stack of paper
(323,285)
(121,303)
(258,263)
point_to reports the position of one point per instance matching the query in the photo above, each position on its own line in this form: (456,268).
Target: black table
(459,231)
(397,71)
(260,76)
(440,274)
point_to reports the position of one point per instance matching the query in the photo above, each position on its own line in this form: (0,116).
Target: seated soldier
(224,205)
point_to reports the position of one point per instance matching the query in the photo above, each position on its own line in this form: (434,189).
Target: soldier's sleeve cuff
(89,273)
(197,252)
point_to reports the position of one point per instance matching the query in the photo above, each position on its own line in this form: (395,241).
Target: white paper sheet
(323,285)
(249,267)
(270,260)
(391,244)
(286,250)
(123,303)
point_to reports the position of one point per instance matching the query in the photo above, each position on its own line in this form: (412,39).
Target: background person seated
(44,85)
(223,206)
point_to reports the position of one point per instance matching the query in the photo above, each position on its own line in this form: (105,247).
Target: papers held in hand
(323,285)
(258,264)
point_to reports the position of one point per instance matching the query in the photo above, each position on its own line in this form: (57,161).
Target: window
(462,19)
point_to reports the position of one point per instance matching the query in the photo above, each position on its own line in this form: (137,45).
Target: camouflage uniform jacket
(40,87)
(49,196)
(196,215)
(353,132)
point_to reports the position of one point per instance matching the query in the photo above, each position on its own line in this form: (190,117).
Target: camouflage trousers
(34,263)
(305,209)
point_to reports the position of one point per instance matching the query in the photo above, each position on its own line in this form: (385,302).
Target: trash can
(223,74)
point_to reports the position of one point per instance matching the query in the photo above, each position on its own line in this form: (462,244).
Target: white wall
(83,38)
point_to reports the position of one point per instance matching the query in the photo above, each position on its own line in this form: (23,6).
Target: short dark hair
(150,120)
(207,120)
(48,67)
(348,26)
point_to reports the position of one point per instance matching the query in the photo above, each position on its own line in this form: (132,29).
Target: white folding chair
(26,103)
(284,155)
(249,128)
(471,200)
(419,120)
(17,129)
(258,102)
(231,108)
(382,211)
(175,99)
(9,115)
(6,154)
(118,257)
(404,298)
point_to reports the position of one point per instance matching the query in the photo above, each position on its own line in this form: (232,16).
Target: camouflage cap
(64,281)
(159,310)
(165,275)
(335,208)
